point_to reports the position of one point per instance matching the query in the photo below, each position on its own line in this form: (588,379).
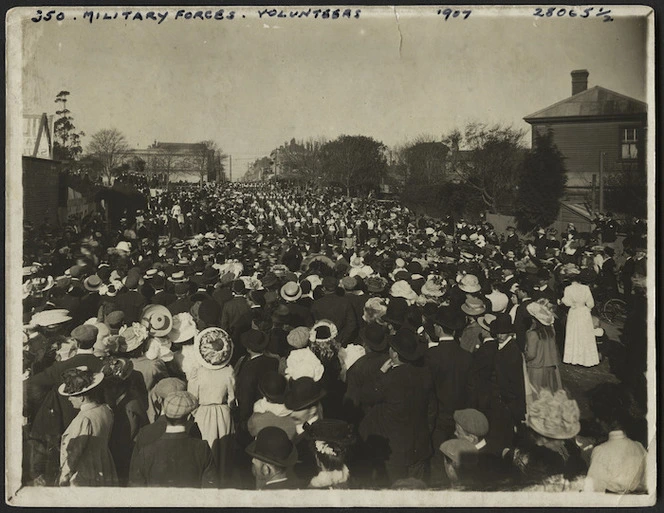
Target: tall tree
(488,159)
(354,161)
(302,159)
(67,141)
(425,160)
(210,162)
(542,184)
(109,146)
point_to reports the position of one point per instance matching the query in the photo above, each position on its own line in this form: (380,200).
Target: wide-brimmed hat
(210,276)
(323,331)
(132,337)
(554,415)
(254,340)
(37,286)
(302,393)
(159,320)
(273,386)
(117,368)
(291,291)
(332,431)
(184,328)
(431,289)
(469,283)
(407,345)
(473,306)
(47,318)
(374,336)
(273,446)
(78,381)
(213,348)
(403,289)
(541,312)
(375,284)
(485,321)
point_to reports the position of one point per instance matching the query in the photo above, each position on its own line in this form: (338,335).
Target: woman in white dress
(213,384)
(580,344)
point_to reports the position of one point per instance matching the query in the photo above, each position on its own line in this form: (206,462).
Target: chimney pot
(579,81)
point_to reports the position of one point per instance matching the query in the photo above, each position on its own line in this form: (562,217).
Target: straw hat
(473,306)
(554,415)
(214,348)
(469,283)
(540,312)
(159,320)
(184,328)
(50,317)
(78,381)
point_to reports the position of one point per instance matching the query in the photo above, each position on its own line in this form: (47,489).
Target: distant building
(176,162)
(594,127)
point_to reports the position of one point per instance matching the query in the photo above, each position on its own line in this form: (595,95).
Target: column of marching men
(273,336)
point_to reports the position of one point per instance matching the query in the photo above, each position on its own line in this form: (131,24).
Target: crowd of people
(268,336)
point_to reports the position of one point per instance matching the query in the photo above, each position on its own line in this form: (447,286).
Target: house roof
(594,102)
(180,147)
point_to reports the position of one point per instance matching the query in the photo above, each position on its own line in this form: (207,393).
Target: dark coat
(449,366)
(163,298)
(38,386)
(129,416)
(153,432)
(339,310)
(509,379)
(131,303)
(232,311)
(174,460)
(247,374)
(481,377)
(522,323)
(403,399)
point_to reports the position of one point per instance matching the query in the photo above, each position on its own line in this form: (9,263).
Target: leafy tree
(354,161)
(109,146)
(425,161)
(542,184)
(301,159)
(67,142)
(487,159)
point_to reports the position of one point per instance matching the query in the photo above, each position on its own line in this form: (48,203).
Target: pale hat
(469,283)
(541,312)
(403,289)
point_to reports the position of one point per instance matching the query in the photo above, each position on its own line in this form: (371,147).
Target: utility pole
(601,181)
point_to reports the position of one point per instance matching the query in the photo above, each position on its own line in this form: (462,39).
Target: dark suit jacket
(38,386)
(163,298)
(339,310)
(248,373)
(153,432)
(131,303)
(402,400)
(481,377)
(509,379)
(180,306)
(174,460)
(522,323)
(232,311)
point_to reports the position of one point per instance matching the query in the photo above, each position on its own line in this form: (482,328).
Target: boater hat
(78,381)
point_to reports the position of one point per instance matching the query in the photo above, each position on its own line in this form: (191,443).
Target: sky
(252,83)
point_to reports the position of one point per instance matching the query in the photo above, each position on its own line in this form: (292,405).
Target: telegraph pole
(601,181)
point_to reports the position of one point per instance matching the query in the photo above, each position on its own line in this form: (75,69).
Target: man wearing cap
(273,457)
(152,432)
(53,413)
(337,309)
(176,459)
(161,297)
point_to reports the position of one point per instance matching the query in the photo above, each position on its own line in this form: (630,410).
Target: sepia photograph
(307,256)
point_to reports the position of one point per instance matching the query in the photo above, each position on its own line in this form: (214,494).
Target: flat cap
(167,386)
(472,421)
(179,404)
(85,334)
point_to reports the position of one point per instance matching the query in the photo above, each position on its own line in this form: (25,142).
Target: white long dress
(580,344)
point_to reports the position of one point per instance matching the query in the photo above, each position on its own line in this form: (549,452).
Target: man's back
(174,460)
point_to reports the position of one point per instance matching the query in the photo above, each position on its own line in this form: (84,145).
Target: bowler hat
(330,283)
(502,324)
(273,386)
(374,335)
(254,340)
(303,392)
(449,318)
(407,345)
(397,311)
(273,446)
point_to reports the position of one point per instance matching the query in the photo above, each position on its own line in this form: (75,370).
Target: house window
(629,143)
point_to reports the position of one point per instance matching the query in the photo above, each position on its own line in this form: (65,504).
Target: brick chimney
(579,81)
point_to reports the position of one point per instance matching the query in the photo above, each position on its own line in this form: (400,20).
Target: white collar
(481,444)
(503,344)
(175,429)
(88,406)
(85,351)
(277,480)
(432,344)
